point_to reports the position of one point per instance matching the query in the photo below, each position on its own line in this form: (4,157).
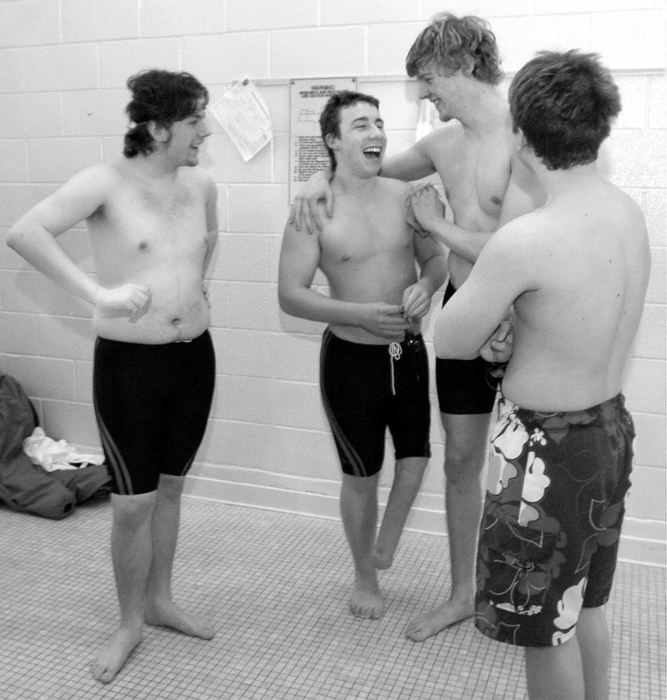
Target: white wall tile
(18,335)
(175,17)
(121,59)
(49,67)
(86,20)
(615,38)
(650,340)
(29,23)
(31,115)
(388,45)
(95,112)
(11,70)
(369,12)
(645,385)
(651,442)
(226,58)
(13,156)
(630,171)
(247,257)
(267,14)
(336,51)
(58,159)
(258,208)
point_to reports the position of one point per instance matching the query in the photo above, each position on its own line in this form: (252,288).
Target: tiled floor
(276,586)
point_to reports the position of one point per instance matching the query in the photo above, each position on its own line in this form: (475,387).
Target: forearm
(466,244)
(313,306)
(433,274)
(42,251)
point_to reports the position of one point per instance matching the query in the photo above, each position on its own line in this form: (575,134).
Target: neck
(345,181)
(554,182)
(153,166)
(486,111)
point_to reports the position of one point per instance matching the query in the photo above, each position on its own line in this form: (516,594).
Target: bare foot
(366,600)
(112,657)
(381,561)
(168,614)
(438,619)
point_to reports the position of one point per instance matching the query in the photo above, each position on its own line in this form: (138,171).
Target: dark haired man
(456,62)
(153,226)
(579,271)
(374,367)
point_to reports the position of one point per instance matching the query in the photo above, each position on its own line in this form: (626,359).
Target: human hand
(384,320)
(500,345)
(416,302)
(305,210)
(130,299)
(426,208)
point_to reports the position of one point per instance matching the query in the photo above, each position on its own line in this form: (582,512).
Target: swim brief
(152,404)
(464,386)
(552,520)
(369,388)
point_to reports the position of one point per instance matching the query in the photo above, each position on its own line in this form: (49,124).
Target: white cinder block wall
(63,66)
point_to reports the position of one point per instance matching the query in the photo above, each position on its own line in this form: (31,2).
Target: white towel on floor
(51,454)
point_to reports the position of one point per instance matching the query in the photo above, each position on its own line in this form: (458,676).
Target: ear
(330,141)
(159,132)
(468,66)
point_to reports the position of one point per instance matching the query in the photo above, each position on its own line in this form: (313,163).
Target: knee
(170,486)
(131,512)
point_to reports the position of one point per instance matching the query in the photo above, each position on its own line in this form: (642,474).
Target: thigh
(188,404)
(353,388)
(127,409)
(409,408)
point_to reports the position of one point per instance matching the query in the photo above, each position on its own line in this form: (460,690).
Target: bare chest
(475,178)
(151,222)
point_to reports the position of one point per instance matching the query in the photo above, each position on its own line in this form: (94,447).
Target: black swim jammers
(369,388)
(152,404)
(552,520)
(465,387)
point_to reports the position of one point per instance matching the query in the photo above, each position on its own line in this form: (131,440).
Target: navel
(175,321)
(143,245)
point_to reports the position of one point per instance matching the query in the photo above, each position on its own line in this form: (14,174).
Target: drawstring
(395,352)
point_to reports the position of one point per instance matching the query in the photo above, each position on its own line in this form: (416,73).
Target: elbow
(286,302)
(13,237)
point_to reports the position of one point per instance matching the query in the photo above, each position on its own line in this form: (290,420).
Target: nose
(204,130)
(423,90)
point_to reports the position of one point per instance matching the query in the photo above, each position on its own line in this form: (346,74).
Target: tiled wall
(63,65)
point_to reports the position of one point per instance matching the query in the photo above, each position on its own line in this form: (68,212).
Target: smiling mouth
(372,151)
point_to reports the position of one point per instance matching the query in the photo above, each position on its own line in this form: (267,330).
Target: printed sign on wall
(308,153)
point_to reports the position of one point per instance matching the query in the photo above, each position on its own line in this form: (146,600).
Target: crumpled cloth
(52,455)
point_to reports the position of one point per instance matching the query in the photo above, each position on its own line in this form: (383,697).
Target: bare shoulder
(443,141)
(393,187)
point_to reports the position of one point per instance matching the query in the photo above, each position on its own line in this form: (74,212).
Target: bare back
(573,331)
(368,250)
(153,233)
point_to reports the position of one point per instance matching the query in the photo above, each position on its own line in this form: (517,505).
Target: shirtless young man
(153,226)
(579,271)
(374,367)
(457,65)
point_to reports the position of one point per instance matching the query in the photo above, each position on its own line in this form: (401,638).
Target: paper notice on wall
(308,154)
(244,116)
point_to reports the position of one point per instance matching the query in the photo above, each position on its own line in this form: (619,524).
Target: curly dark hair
(451,42)
(564,103)
(163,97)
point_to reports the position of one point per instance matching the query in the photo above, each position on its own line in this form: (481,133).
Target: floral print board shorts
(552,520)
